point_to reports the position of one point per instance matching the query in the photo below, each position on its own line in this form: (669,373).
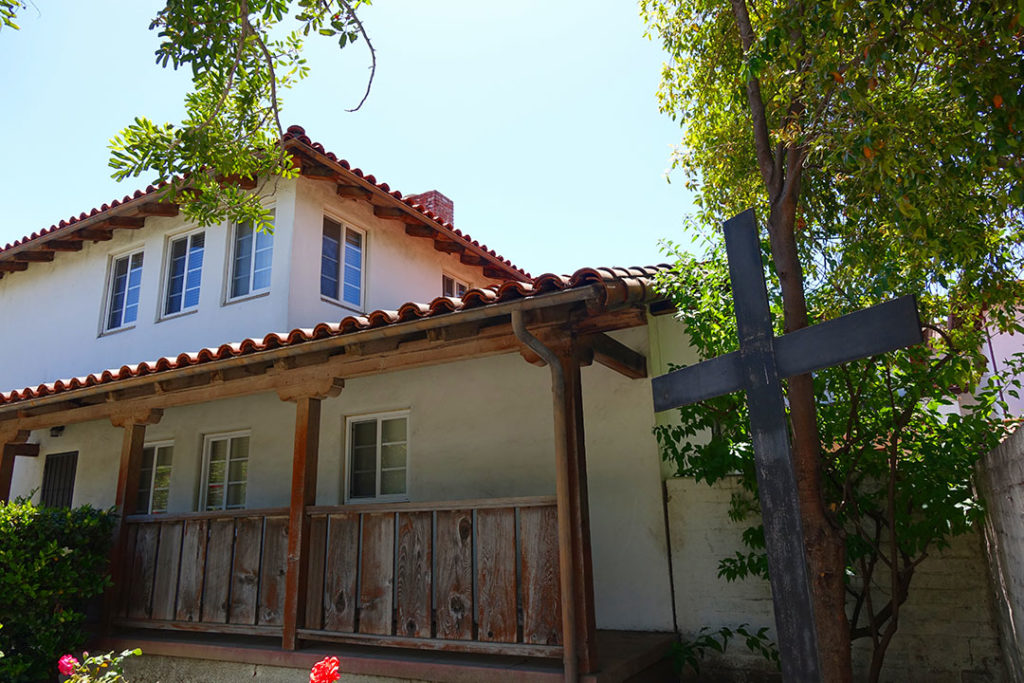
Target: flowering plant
(325,671)
(97,669)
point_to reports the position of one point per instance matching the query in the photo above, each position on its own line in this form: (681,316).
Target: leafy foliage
(8,11)
(883,141)
(690,653)
(105,668)
(52,561)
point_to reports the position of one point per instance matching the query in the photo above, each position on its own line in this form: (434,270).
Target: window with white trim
(155,478)
(453,287)
(184,272)
(225,471)
(378,453)
(251,255)
(341,263)
(123,298)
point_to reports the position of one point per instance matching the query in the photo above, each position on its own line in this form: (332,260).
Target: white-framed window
(342,263)
(453,287)
(184,272)
(123,296)
(378,457)
(155,478)
(225,471)
(252,253)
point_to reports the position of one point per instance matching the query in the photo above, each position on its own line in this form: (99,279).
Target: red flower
(325,671)
(66,665)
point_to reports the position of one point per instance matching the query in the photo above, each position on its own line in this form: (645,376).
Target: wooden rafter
(616,356)
(126,222)
(396,214)
(96,234)
(12,266)
(35,256)
(448,246)
(352,191)
(164,209)
(419,230)
(64,245)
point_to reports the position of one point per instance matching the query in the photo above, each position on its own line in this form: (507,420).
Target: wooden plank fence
(474,576)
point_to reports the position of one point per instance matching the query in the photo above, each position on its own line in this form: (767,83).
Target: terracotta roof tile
(294,133)
(621,286)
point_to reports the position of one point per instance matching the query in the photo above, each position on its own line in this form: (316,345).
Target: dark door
(58,480)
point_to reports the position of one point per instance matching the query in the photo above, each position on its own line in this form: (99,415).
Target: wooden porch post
(571,411)
(575,566)
(127,494)
(12,444)
(305,457)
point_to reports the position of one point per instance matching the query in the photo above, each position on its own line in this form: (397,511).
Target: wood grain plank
(245,570)
(272,571)
(315,582)
(342,565)
(165,584)
(217,581)
(454,583)
(376,586)
(126,560)
(413,586)
(193,567)
(140,604)
(538,549)
(496,575)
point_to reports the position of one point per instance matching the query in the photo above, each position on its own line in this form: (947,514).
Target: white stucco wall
(947,630)
(477,429)
(53,312)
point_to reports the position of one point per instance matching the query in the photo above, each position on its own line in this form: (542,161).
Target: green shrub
(52,561)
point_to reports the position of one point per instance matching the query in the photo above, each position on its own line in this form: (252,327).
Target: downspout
(562,493)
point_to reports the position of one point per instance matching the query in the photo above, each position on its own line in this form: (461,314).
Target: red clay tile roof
(294,137)
(620,286)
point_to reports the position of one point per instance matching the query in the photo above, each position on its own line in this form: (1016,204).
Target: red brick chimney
(434,201)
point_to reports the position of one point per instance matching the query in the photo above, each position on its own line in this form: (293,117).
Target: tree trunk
(826,547)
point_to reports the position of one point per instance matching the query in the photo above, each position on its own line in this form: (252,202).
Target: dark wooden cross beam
(757,368)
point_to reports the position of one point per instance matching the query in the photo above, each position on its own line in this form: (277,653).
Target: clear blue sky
(539,119)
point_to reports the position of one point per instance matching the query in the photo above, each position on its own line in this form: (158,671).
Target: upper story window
(225,471)
(125,282)
(251,257)
(378,449)
(341,263)
(453,287)
(154,478)
(184,272)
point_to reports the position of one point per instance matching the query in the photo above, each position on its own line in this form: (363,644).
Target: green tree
(882,142)
(242,54)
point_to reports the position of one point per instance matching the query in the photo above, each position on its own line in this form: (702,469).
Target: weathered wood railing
(209,571)
(478,576)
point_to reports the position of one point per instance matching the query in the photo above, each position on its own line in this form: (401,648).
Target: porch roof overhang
(588,304)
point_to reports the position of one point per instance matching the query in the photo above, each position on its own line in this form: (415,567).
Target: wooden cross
(757,368)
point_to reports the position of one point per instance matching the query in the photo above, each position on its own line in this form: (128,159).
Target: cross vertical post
(776,480)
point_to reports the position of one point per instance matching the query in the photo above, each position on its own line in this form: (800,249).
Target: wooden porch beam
(616,356)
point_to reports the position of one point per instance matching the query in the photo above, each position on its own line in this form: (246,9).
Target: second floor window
(184,272)
(341,263)
(452,287)
(125,283)
(251,258)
